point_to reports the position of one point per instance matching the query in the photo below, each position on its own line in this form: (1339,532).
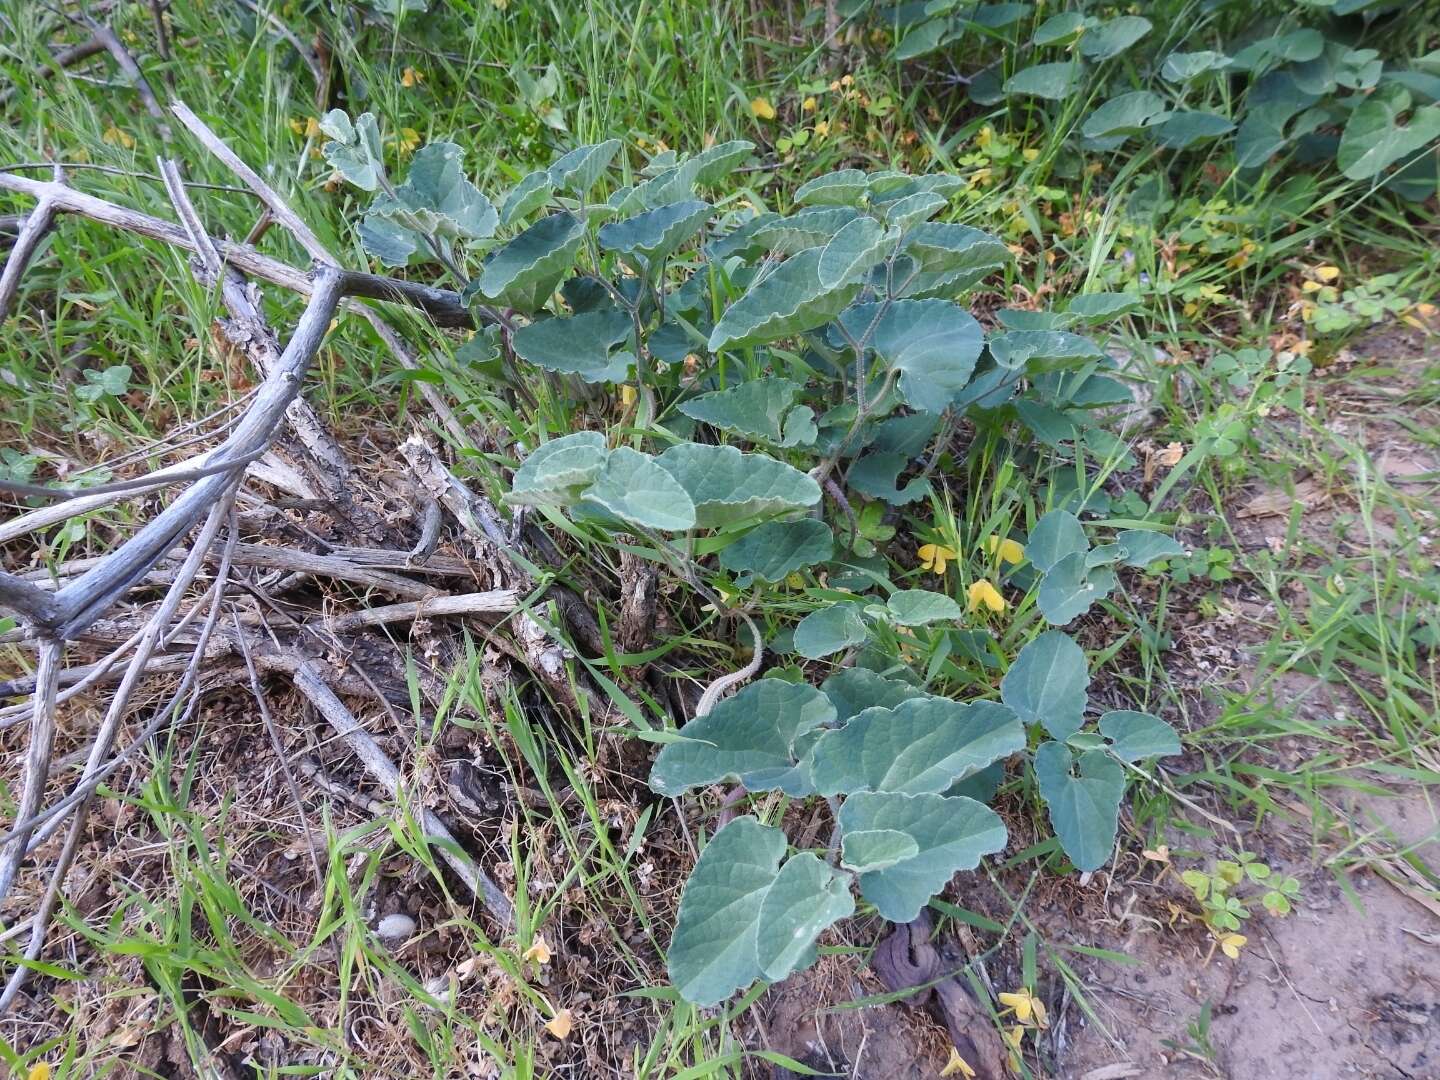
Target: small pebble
(395,928)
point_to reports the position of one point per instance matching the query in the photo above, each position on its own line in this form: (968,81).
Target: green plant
(828,341)
(1286,81)
(1228,891)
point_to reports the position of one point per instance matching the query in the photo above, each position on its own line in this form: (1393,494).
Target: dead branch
(495,602)
(379,765)
(116,49)
(442,305)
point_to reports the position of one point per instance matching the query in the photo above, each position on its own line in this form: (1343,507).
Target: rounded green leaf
(920,607)
(436,198)
(913,209)
(714,166)
(855,689)
(853,252)
(543,252)
(580,169)
(776,549)
(923,744)
(1053,81)
(1061,29)
(877,849)
(1041,348)
(748,738)
(584,345)
(1138,735)
(1183,129)
(1127,114)
(754,408)
(1374,139)
(1112,38)
(932,343)
(656,234)
(844,188)
(807,898)
(1142,547)
(787,302)
(1071,587)
(634,488)
(533,192)
(1047,684)
(727,487)
(557,472)
(1056,535)
(1095,308)
(950,834)
(713,952)
(829,630)
(1084,808)
(1185,66)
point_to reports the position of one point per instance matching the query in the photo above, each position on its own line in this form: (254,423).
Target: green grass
(205,943)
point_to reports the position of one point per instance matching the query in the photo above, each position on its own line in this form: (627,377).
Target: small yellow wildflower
(409,140)
(934,557)
(627,396)
(808,105)
(981,178)
(1009,550)
(1327,273)
(411,78)
(539,952)
(1027,1007)
(982,592)
(957,1066)
(762,109)
(1030,153)
(1014,1037)
(846,80)
(41,1071)
(1231,944)
(560,1024)
(835,84)
(115,137)
(822,128)
(984,136)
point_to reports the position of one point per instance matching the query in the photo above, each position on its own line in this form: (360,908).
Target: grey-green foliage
(767,354)
(1256,71)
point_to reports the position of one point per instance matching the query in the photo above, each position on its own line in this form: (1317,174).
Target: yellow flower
(1327,273)
(808,105)
(1009,551)
(982,592)
(933,557)
(1014,1037)
(560,1024)
(983,136)
(957,1066)
(1028,1008)
(115,137)
(409,140)
(41,1071)
(822,128)
(762,109)
(1231,944)
(1030,153)
(846,80)
(410,78)
(627,396)
(538,951)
